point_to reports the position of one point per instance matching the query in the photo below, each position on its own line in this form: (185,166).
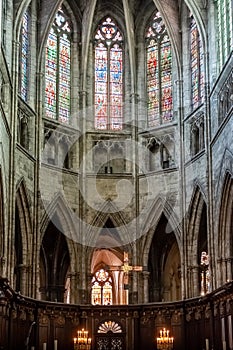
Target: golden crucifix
(126,268)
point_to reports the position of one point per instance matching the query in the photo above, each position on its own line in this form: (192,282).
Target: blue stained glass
(57,70)
(159,73)
(25,55)
(108,77)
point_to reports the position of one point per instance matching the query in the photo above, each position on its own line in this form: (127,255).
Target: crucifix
(126,268)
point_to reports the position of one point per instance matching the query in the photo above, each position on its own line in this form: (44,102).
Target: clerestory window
(57,69)
(158,73)
(108,76)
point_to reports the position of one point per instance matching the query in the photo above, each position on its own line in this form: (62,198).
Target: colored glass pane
(25,42)
(108,77)
(166,80)
(116,87)
(225,29)
(197,65)
(51,76)
(153,84)
(64,78)
(101,292)
(57,70)
(101,87)
(159,73)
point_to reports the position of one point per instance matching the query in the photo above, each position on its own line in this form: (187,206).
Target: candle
(32,347)
(55,344)
(224,345)
(207,344)
(44,346)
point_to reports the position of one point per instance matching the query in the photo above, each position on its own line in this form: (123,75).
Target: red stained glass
(57,70)
(197,65)
(159,73)
(108,77)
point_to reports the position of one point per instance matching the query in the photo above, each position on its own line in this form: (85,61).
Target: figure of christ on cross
(126,268)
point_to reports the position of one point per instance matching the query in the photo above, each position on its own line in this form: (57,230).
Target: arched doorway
(164,264)
(110,262)
(109,336)
(54,263)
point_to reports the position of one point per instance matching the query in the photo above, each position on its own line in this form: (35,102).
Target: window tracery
(101,293)
(57,69)
(159,72)
(108,76)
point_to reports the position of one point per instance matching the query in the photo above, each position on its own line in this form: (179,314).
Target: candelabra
(82,342)
(164,342)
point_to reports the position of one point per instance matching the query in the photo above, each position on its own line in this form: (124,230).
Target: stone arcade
(116,173)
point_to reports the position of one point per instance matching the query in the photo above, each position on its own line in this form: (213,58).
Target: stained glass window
(197,65)
(159,73)
(108,77)
(225,29)
(101,292)
(57,70)
(25,55)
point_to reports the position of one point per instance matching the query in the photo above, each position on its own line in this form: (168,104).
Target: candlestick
(55,344)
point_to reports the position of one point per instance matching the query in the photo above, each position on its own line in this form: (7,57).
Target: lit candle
(55,344)
(207,344)
(44,346)
(75,340)
(89,340)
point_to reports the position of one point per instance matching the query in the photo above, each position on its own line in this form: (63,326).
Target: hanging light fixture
(82,341)
(164,342)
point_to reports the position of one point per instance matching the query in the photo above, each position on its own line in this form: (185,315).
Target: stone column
(73,287)
(195,279)
(23,269)
(145,275)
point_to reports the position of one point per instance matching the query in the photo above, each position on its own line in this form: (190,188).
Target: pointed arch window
(225,29)
(57,69)
(197,65)
(25,54)
(101,293)
(158,72)
(108,76)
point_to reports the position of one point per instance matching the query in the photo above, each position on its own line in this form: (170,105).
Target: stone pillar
(145,275)
(23,278)
(73,287)
(195,279)
(229,269)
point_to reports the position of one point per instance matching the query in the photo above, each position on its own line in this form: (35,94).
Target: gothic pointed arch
(54,262)
(22,240)
(66,222)
(164,264)
(225,228)
(198,282)
(159,206)
(109,217)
